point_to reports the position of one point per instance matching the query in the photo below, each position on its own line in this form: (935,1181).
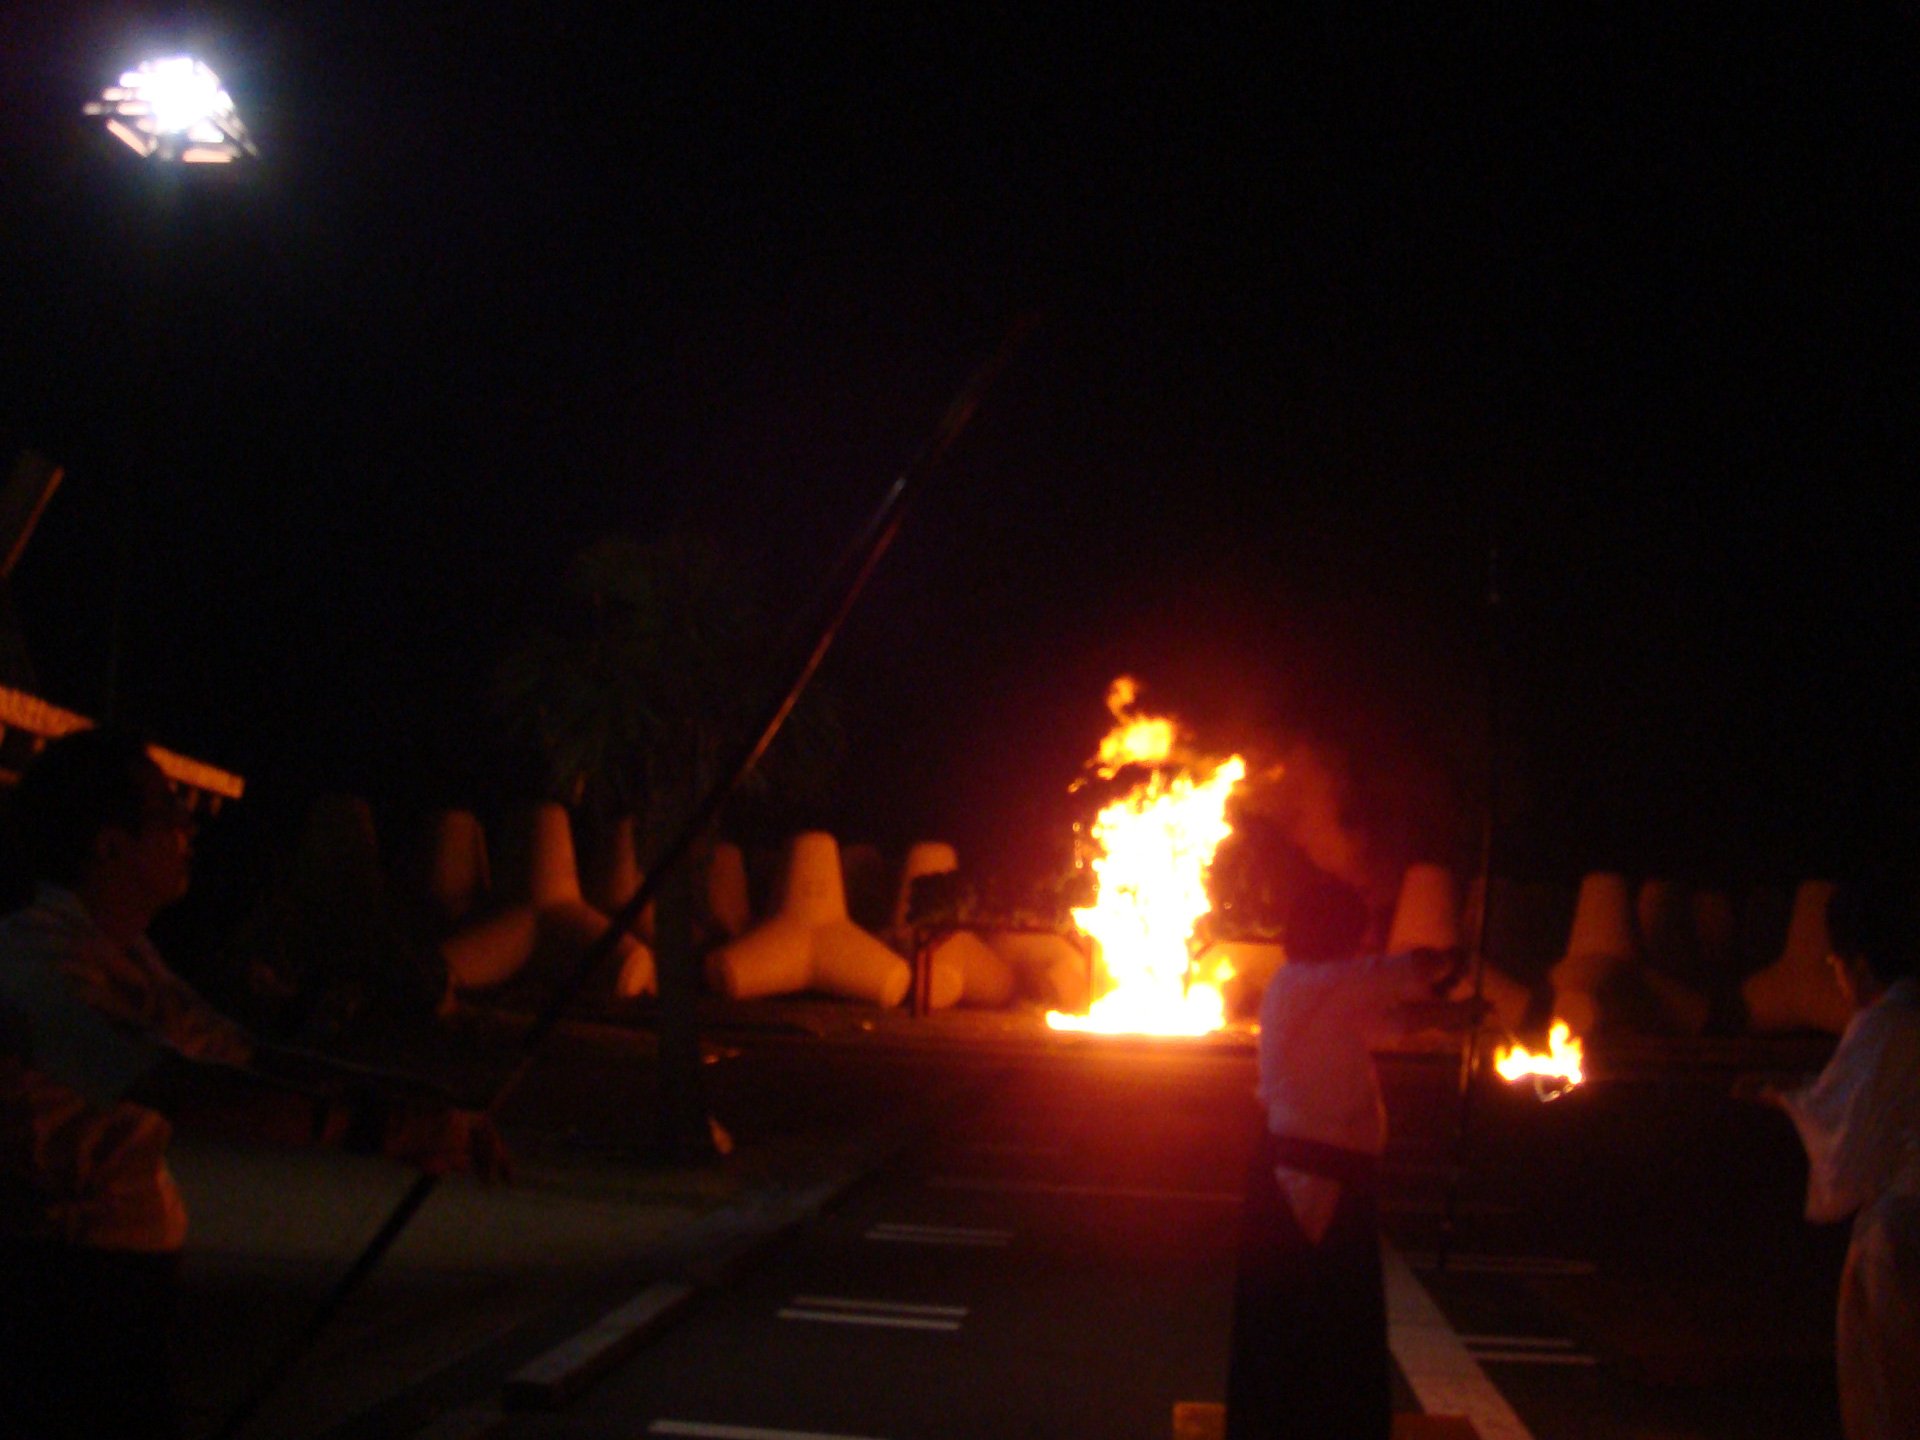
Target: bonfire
(1152,847)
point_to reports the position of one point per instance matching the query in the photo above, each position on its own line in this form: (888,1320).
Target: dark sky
(1326,308)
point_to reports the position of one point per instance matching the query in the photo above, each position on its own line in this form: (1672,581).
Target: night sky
(1327,311)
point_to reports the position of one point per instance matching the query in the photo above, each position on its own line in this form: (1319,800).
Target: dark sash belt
(1315,1157)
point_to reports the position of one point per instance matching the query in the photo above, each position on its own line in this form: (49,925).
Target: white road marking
(905,1234)
(884,1322)
(883,1307)
(1442,1373)
(701,1431)
(885,1314)
(991,1186)
(1505,1264)
(568,1367)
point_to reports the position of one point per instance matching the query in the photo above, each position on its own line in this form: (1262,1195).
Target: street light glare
(176,109)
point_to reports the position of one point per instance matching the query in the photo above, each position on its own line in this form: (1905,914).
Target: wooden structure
(27,723)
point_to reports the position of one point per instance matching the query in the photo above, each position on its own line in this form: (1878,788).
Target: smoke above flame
(1153,846)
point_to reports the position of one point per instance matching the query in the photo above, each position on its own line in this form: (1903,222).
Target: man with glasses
(97,1039)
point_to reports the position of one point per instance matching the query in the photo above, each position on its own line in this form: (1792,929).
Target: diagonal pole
(861,561)
(1470,1043)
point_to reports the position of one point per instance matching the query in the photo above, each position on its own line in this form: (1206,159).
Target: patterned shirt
(82,1021)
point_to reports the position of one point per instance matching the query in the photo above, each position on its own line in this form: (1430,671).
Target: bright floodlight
(174,109)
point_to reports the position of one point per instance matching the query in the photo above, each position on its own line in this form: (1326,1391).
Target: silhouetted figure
(1860,1123)
(1309,1322)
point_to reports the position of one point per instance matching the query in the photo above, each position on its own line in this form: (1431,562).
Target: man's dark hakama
(1309,1321)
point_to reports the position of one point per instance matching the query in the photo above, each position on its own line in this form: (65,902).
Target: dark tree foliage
(645,675)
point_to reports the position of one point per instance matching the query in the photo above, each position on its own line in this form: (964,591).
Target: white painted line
(564,1370)
(880,1307)
(1532,1357)
(884,1322)
(989,1186)
(1505,1264)
(1442,1373)
(700,1431)
(938,1234)
(911,1227)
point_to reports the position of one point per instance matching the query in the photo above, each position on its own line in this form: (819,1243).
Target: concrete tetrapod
(727,903)
(1428,913)
(554,922)
(568,924)
(929,857)
(616,877)
(1666,925)
(1602,942)
(1799,991)
(810,944)
(1428,917)
(1046,967)
(1715,926)
(458,877)
(962,965)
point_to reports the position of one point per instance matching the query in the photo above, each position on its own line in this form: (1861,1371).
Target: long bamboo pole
(1470,1043)
(863,558)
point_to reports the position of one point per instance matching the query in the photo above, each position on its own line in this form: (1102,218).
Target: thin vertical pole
(1470,1045)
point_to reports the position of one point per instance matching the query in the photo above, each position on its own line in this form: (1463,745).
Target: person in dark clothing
(1309,1355)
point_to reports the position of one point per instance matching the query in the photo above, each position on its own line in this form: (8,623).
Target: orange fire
(1155,846)
(1135,739)
(1553,1071)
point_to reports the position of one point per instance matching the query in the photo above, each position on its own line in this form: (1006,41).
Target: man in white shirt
(1860,1123)
(1310,1331)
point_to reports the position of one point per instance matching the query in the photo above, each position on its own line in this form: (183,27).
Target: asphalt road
(1056,1259)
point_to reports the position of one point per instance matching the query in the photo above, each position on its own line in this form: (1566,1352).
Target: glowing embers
(174,109)
(1554,1072)
(1154,846)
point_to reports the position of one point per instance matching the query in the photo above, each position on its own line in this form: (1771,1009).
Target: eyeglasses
(172,813)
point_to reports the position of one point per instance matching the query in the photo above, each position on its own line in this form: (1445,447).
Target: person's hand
(1755,1089)
(443,1141)
(1440,968)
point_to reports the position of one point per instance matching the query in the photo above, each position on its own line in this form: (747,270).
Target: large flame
(1135,739)
(1554,1071)
(1155,846)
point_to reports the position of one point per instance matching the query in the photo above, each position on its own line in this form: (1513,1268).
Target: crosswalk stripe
(878,1307)
(938,1234)
(1444,1375)
(884,1322)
